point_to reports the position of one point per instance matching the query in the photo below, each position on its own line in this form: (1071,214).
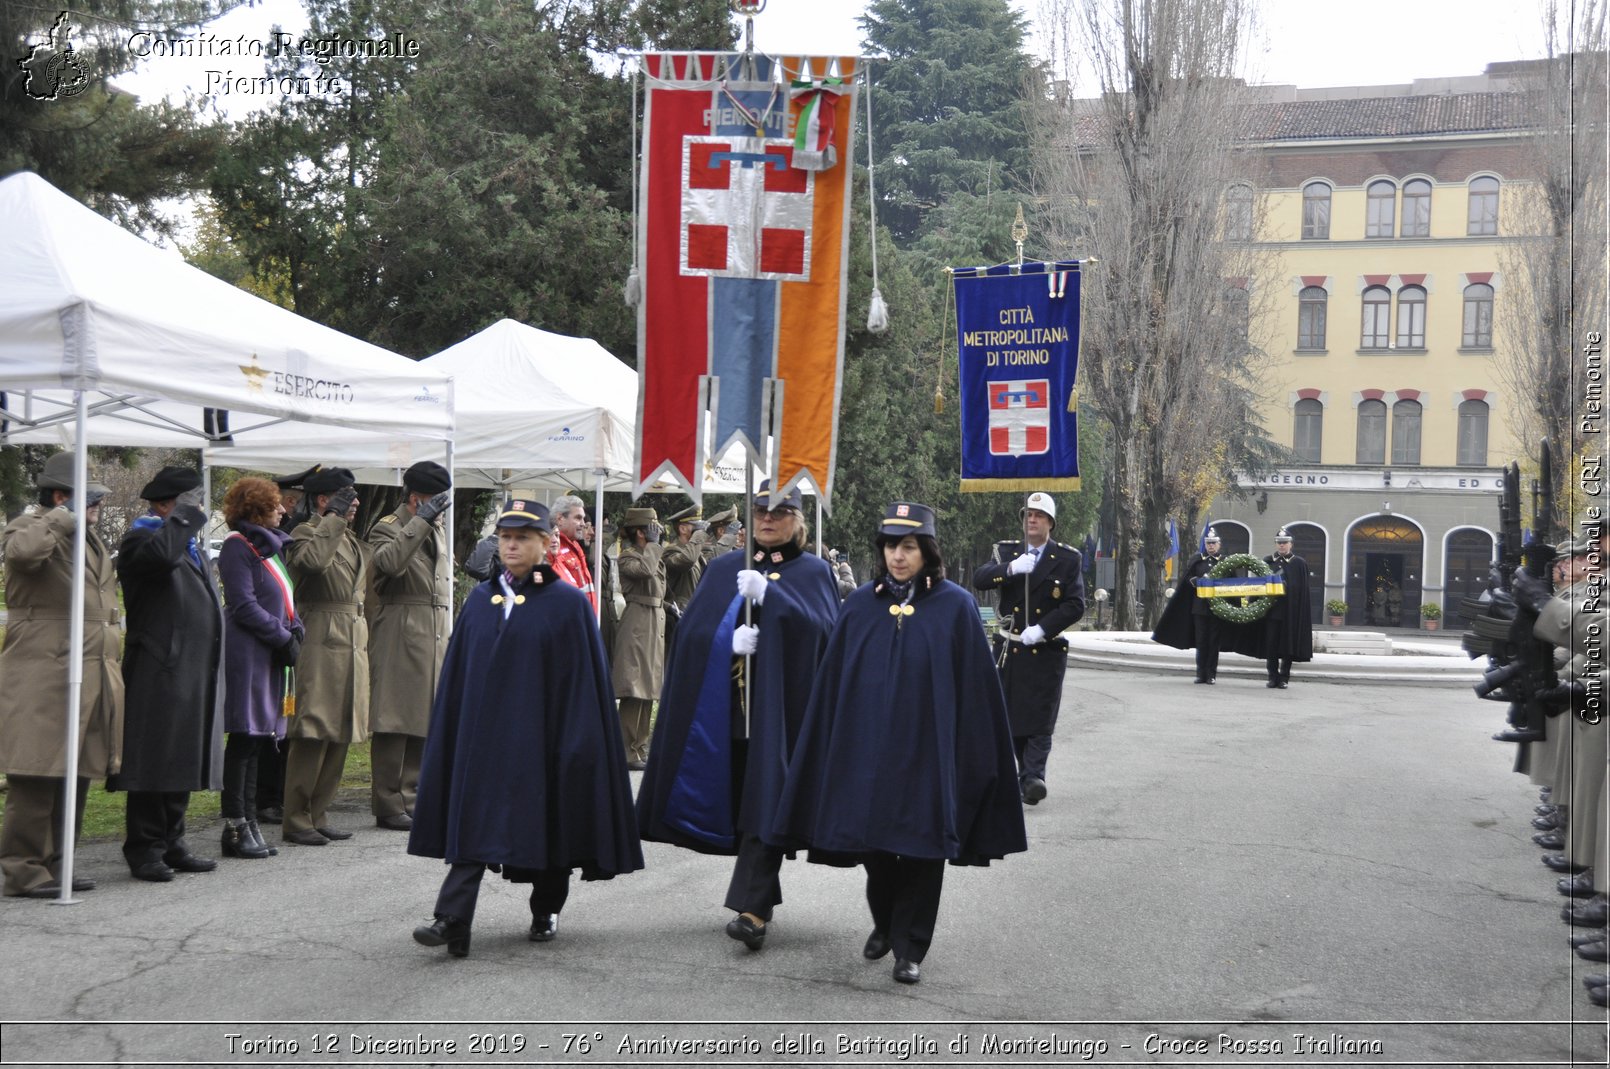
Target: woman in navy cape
(523,768)
(905,759)
(716,767)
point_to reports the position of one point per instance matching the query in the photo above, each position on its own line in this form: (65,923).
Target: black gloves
(1530,592)
(429,510)
(341,501)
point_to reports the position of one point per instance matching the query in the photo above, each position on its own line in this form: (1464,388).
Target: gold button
(894,610)
(775,576)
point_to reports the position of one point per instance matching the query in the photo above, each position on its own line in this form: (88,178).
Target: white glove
(1033,636)
(745,640)
(1021,565)
(752,585)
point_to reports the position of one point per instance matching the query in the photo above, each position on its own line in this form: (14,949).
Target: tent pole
(75,648)
(818,525)
(598,545)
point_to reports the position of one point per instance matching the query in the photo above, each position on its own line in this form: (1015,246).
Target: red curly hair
(252,500)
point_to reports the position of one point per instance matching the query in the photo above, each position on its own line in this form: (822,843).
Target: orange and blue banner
(1017,332)
(745,254)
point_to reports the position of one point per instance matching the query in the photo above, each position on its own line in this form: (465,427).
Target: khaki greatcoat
(328,566)
(33,668)
(410,622)
(639,651)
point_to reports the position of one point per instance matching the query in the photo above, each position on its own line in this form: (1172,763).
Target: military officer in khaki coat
(639,659)
(684,564)
(328,566)
(408,630)
(722,534)
(38,547)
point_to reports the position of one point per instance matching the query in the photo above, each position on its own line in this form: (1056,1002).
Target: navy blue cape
(523,766)
(693,794)
(905,748)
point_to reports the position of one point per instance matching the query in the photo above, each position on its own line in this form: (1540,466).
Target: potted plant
(1337,608)
(1431,613)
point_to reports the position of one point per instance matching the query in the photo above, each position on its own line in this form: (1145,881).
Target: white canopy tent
(106,339)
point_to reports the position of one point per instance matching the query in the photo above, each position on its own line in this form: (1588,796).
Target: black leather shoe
(1597,996)
(305,837)
(83,883)
(1273,684)
(747,932)
(1549,840)
(257,838)
(1578,886)
(395,822)
(907,972)
(1545,809)
(1561,863)
(1594,951)
(152,872)
(1518,735)
(877,945)
(271,814)
(1548,823)
(1034,790)
(450,930)
(1199,679)
(334,834)
(237,842)
(1589,914)
(1596,980)
(544,927)
(48,889)
(1576,939)
(190,863)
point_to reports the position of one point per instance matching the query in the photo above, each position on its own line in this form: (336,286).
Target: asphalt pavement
(1330,874)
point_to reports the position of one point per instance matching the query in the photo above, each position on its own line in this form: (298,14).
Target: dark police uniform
(1054,598)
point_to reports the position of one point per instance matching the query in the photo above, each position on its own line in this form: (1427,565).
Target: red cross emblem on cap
(902,510)
(520,505)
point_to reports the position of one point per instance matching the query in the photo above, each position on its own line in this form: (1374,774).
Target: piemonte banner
(1017,332)
(743,245)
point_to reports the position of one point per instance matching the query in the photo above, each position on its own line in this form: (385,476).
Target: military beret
(907,518)
(521,512)
(328,481)
(171,482)
(427,477)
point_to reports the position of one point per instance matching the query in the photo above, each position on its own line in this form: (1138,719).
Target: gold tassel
(939,400)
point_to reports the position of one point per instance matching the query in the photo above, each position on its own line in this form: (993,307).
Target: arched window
(1478,332)
(1483,206)
(1371,432)
(1416,209)
(1238,309)
(1473,433)
(1312,304)
(1380,209)
(1238,213)
(1375,332)
(1411,318)
(1309,422)
(1316,212)
(1406,432)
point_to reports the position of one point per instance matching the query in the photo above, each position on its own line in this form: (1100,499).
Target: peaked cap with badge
(907,518)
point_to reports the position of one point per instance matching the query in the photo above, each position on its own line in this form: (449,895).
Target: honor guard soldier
(1042,593)
(1288,627)
(722,534)
(1188,620)
(411,620)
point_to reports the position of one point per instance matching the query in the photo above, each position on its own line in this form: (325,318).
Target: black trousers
(271,774)
(1279,669)
(755,886)
(1032,753)
(1205,628)
(153,823)
(461,888)
(244,759)
(903,893)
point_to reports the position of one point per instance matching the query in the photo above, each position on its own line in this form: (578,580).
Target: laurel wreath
(1240,610)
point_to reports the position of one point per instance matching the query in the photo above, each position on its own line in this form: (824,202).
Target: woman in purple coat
(262,637)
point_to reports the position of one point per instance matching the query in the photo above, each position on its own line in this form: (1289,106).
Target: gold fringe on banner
(985,486)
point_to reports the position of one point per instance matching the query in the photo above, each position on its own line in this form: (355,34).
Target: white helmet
(1041,502)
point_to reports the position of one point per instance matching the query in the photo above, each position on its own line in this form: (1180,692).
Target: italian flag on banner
(744,253)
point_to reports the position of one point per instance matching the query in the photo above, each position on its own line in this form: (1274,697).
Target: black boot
(237,842)
(257,837)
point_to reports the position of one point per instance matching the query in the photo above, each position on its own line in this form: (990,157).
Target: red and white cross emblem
(1019,417)
(746,210)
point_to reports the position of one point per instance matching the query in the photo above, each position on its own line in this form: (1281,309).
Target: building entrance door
(1385,605)
(1470,553)
(1385,557)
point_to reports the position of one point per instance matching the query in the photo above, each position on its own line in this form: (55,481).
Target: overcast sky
(1362,42)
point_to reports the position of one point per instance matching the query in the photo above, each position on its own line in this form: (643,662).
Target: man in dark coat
(717,765)
(1188,621)
(173,706)
(524,768)
(1288,627)
(1042,593)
